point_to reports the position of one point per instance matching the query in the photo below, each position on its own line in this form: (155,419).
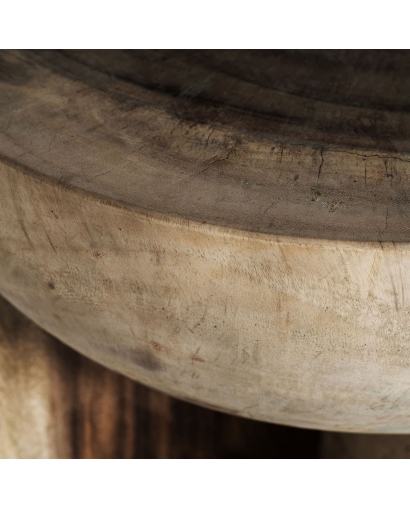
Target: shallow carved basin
(231,228)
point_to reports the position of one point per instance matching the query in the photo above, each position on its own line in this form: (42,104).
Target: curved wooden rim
(112,124)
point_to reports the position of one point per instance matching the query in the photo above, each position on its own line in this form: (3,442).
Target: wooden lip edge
(204,227)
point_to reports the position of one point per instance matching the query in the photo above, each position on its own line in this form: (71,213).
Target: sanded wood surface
(309,143)
(54,403)
(230,228)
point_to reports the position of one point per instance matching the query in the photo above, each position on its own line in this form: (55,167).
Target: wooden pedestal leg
(55,403)
(34,404)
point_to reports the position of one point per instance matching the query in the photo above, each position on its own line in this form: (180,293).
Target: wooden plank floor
(55,403)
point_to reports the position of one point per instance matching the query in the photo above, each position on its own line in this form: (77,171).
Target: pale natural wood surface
(247,252)
(55,403)
(287,330)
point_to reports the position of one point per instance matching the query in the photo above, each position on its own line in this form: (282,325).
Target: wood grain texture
(311,144)
(230,228)
(54,403)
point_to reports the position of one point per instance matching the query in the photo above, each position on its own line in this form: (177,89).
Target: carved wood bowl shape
(230,227)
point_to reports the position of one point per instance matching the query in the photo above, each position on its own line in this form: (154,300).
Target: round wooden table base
(55,403)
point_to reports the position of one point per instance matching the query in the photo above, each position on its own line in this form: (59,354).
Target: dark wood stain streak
(303,75)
